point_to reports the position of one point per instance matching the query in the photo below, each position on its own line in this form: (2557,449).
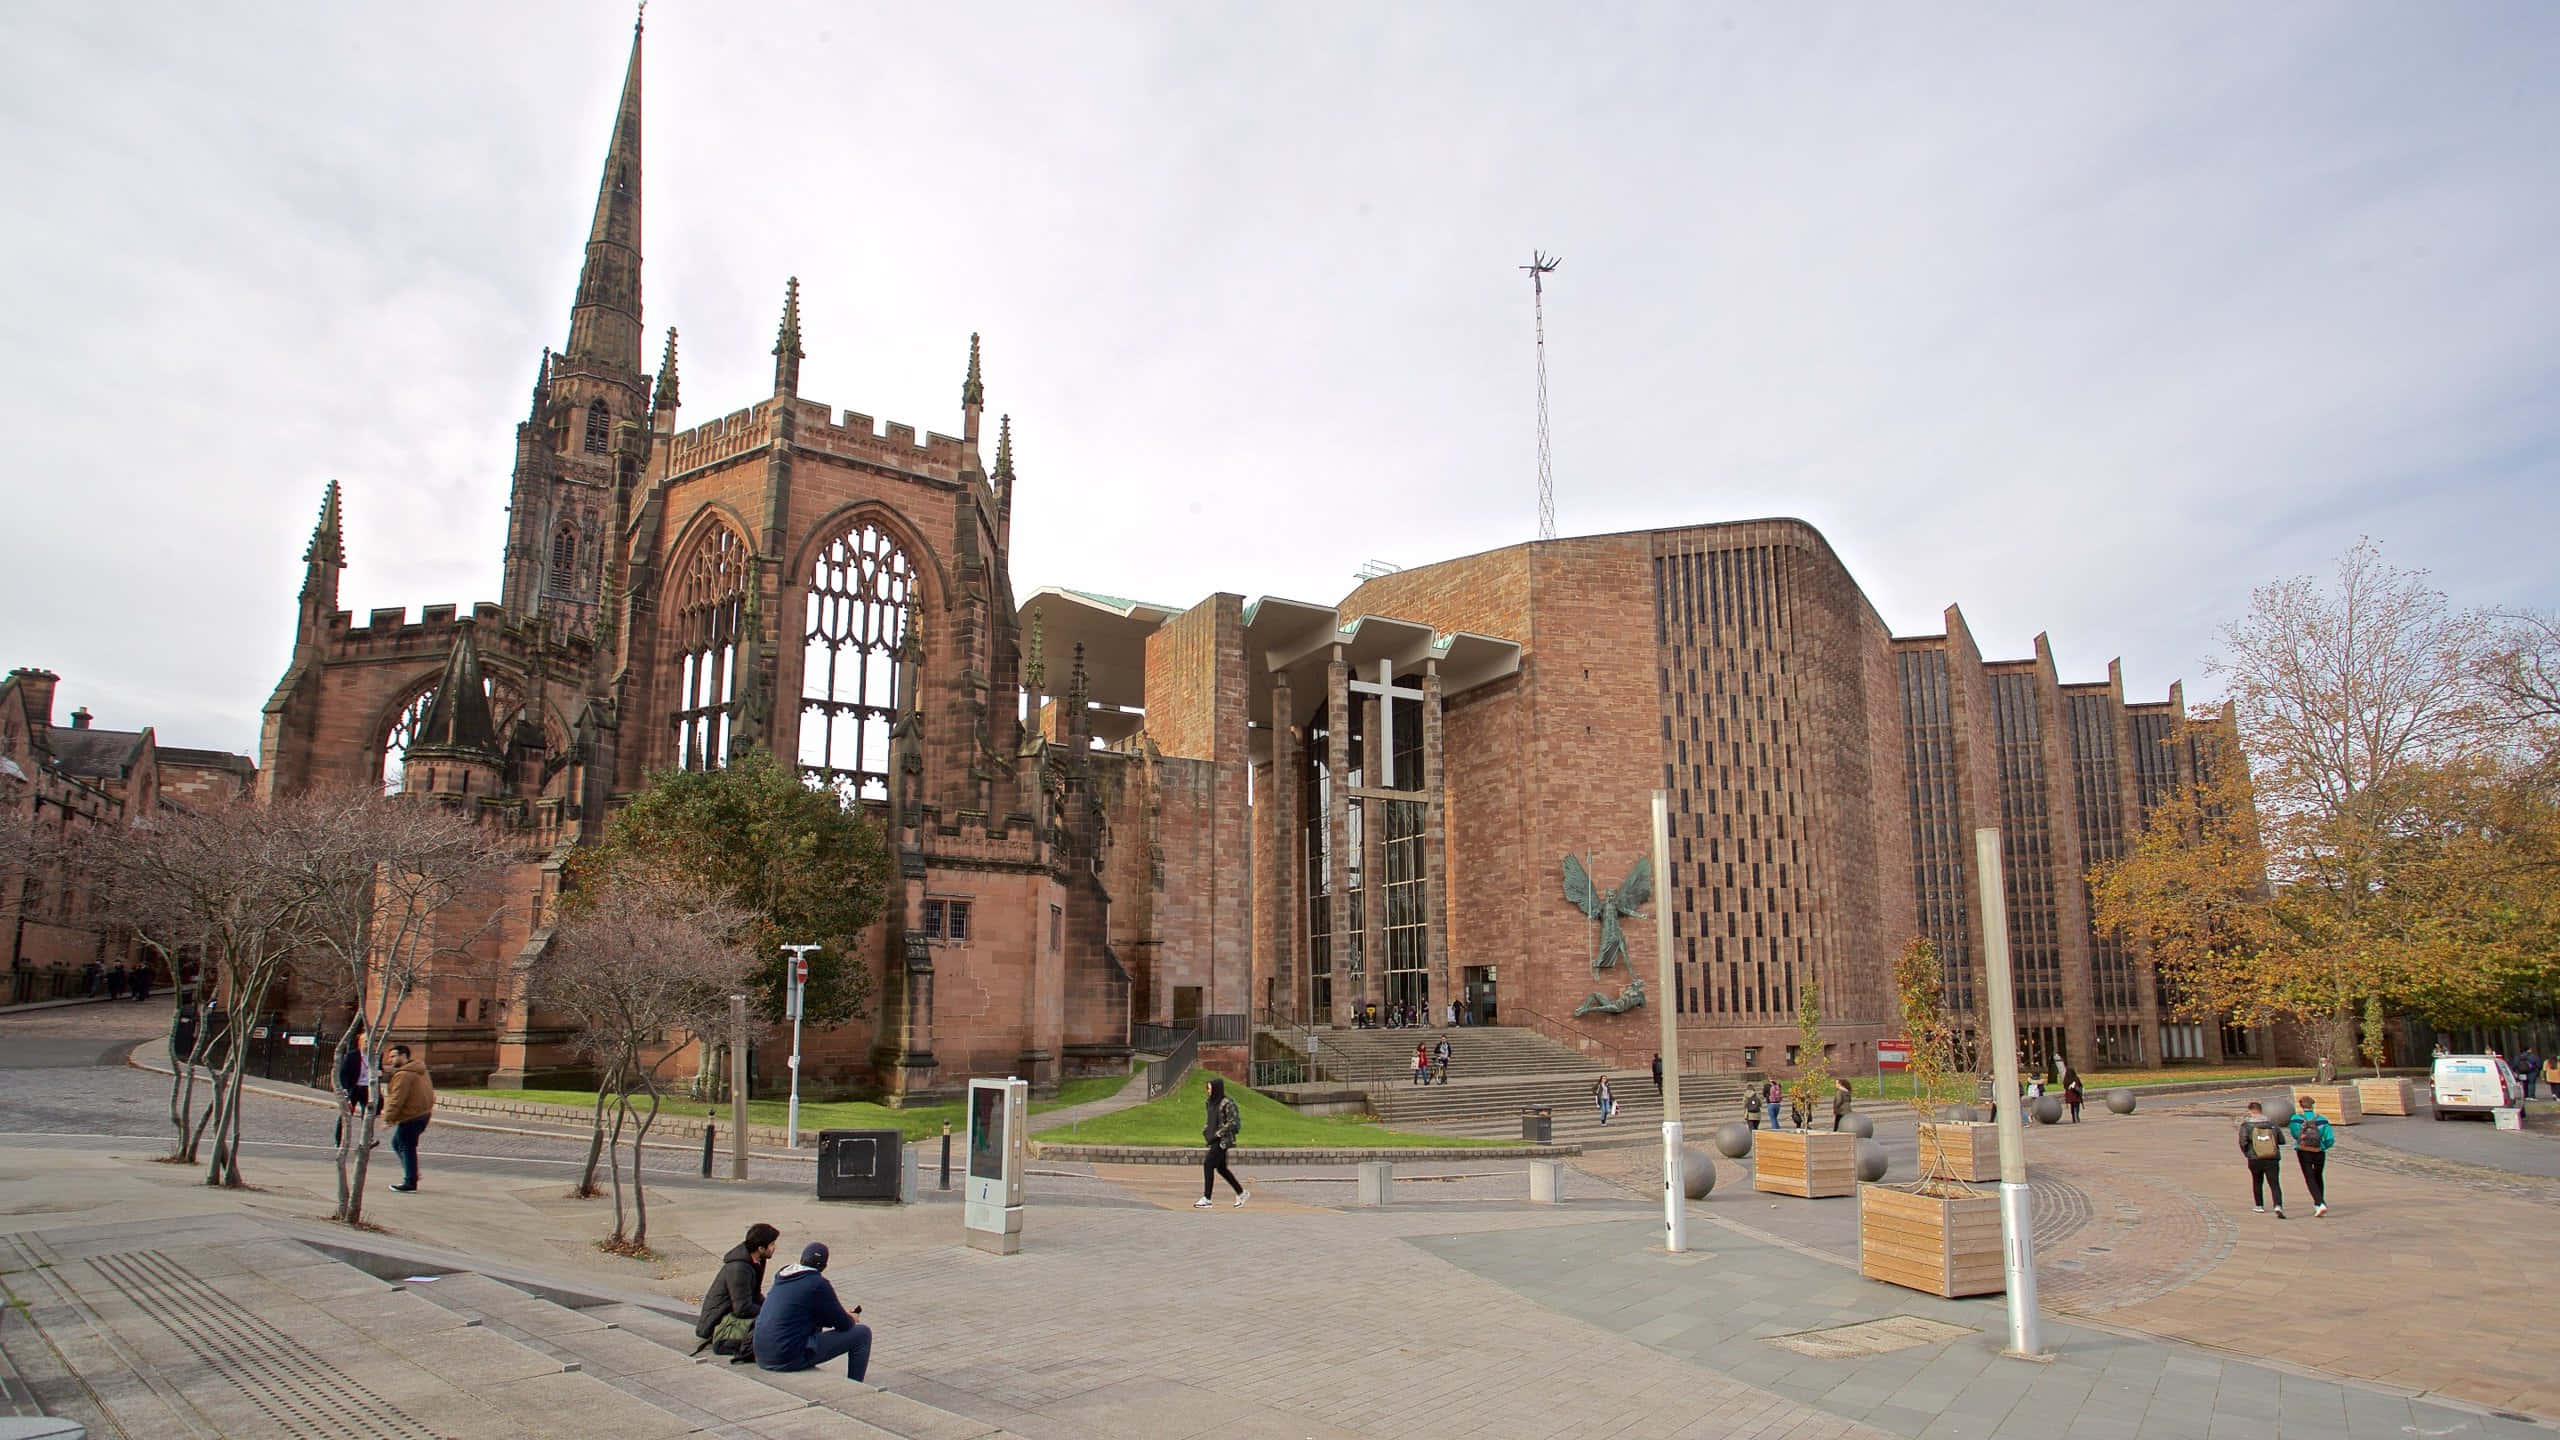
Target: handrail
(1509,1005)
(1163,1075)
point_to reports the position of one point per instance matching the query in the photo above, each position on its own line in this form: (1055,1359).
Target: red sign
(1893,1054)
(799,969)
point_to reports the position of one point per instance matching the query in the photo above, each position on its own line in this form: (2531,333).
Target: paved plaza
(1461,1309)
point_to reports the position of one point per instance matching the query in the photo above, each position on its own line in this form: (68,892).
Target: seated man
(803,1325)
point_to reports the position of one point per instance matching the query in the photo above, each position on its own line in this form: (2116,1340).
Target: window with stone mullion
(710,618)
(858,593)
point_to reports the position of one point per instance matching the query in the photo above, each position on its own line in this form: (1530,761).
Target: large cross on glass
(1388,693)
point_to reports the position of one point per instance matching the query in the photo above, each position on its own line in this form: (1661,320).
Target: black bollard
(707,1131)
(946,1154)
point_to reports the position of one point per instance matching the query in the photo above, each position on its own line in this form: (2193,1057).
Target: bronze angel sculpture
(1608,906)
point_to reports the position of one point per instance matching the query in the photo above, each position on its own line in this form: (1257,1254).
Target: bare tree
(221,882)
(643,966)
(399,889)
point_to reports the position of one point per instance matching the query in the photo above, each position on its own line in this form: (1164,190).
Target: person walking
(2071,1097)
(1751,1106)
(1774,1098)
(2529,1069)
(1440,1059)
(1657,1074)
(139,984)
(115,982)
(1600,1097)
(355,1081)
(1842,1097)
(2312,1138)
(1219,1130)
(409,1099)
(1421,1063)
(2551,1074)
(802,1324)
(2262,1145)
(737,1292)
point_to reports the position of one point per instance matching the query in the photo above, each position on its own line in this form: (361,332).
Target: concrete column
(2146,975)
(1435,833)
(1280,869)
(1375,753)
(1337,821)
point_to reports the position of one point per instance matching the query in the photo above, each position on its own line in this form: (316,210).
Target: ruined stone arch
(861,582)
(400,719)
(705,605)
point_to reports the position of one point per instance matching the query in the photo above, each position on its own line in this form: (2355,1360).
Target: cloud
(2087,319)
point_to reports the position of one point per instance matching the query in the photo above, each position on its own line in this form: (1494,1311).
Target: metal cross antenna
(1540,266)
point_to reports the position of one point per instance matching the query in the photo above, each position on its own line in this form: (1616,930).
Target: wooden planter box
(1960,1151)
(2385,1097)
(1944,1245)
(2341,1104)
(1810,1163)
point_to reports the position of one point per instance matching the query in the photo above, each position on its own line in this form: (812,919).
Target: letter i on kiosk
(999,1140)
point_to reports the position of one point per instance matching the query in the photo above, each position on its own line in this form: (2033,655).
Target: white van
(2474,1085)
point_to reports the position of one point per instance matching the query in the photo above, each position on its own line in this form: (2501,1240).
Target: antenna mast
(1540,266)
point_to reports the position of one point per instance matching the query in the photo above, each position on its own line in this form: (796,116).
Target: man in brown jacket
(409,1099)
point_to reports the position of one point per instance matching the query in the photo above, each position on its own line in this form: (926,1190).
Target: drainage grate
(1869,1337)
(303,1394)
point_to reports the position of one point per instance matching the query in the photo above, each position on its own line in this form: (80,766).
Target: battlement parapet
(857,436)
(389,631)
(713,441)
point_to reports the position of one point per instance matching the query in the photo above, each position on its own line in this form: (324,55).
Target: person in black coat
(739,1287)
(353,1090)
(803,1325)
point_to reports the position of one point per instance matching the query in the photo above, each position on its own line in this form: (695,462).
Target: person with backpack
(1751,1107)
(2262,1145)
(2071,1095)
(1440,1059)
(1223,1124)
(2312,1139)
(727,1323)
(1842,1097)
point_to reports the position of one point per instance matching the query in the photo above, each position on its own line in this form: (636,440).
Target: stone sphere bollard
(1862,1126)
(2119,1102)
(1871,1161)
(1963,1115)
(2048,1109)
(1733,1140)
(1697,1173)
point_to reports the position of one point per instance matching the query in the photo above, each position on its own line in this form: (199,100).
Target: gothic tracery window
(506,702)
(599,428)
(710,611)
(564,560)
(858,593)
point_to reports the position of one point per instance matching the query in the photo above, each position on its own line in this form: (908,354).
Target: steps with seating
(1490,1108)
(1371,1057)
(222,1325)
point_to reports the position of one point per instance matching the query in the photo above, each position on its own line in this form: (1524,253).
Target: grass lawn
(1176,1118)
(917,1121)
(2097,1083)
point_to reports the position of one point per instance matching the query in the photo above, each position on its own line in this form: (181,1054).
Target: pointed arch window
(564,560)
(710,614)
(858,593)
(599,428)
(506,701)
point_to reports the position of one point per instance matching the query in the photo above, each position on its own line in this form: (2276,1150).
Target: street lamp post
(799,988)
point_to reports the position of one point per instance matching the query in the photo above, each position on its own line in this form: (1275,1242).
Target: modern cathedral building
(1246,812)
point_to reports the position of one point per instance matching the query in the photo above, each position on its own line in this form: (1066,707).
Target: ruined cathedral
(1252,818)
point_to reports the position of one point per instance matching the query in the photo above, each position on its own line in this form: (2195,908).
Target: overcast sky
(2086,317)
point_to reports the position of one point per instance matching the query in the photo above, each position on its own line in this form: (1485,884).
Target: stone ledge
(1194,1154)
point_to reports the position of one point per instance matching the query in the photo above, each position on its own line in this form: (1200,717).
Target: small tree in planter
(2379,1096)
(1800,1161)
(1937,1234)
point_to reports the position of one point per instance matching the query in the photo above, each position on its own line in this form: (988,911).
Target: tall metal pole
(737,1087)
(1540,266)
(2017,1226)
(799,988)
(1675,1198)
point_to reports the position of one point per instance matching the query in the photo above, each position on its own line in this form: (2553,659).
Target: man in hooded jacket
(803,1325)
(739,1287)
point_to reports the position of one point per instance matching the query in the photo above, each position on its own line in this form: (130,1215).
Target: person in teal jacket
(2312,1139)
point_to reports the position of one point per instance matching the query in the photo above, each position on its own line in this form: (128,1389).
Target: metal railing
(1164,1074)
(1233,1029)
(1156,1039)
(1511,1006)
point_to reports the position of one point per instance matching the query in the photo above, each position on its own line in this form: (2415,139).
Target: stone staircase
(1377,1057)
(1490,1108)
(225,1326)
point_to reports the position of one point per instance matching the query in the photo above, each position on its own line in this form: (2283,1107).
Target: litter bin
(860,1164)
(1537,1125)
(182,1034)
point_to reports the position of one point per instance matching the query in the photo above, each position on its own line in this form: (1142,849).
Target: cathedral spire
(973,395)
(605,325)
(1003,473)
(667,392)
(327,555)
(787,353)
(458,722)
(542,387)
